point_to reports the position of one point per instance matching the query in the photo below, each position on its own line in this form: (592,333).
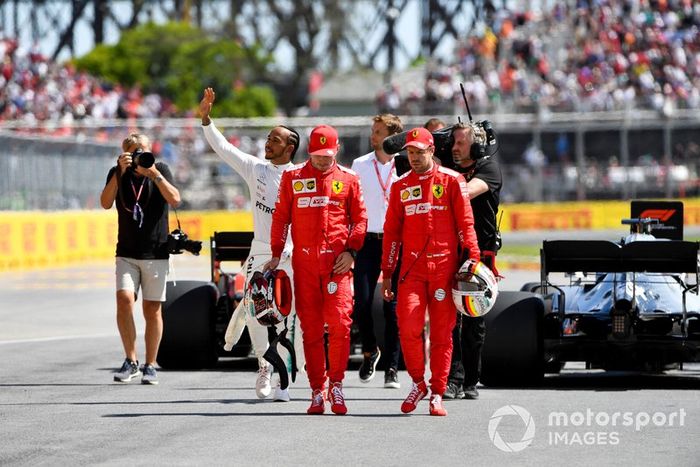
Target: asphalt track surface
(58,405)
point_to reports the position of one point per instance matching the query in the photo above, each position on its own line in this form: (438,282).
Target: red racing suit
(327,216)
(429,216)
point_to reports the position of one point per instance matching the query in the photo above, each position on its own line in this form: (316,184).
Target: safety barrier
(36,239)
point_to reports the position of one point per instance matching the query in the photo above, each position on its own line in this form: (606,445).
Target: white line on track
(54,338)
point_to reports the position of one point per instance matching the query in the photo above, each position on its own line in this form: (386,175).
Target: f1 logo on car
(661,214)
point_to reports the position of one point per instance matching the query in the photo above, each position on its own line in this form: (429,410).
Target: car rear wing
(229,246)
(590,256)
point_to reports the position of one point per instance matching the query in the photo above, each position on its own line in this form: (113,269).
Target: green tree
(178,60)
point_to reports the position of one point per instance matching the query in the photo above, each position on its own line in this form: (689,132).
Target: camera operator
(484,181)
(143,190)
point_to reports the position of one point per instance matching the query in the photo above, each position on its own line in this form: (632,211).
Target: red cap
(323,141)
(419,138)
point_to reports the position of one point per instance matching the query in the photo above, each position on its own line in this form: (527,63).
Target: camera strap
(137,217)
(178,219)
(137,211)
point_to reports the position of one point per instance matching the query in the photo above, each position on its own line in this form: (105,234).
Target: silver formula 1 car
(626,305)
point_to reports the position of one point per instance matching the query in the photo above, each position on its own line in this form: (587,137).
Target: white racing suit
(263,179)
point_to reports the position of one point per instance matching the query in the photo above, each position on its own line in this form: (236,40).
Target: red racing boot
(318,403)
(436,407)
(418,392)
(337,399)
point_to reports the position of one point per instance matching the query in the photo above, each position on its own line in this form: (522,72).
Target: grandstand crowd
(36,88)
(591,56)
(598,55)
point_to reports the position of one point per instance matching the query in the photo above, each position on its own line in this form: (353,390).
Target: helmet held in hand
(475,289)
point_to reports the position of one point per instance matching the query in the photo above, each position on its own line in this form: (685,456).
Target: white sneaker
(281,395)
(262,383)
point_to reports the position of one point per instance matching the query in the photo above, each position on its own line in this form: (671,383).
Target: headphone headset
(478,148)
(477,151)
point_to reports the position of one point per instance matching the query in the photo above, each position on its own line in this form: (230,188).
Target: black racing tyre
(225,307)
(530,287)
(513,349)
(189,318)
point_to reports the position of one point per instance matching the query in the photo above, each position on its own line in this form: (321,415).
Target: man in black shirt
(377,173)
(143,192)
(484,181)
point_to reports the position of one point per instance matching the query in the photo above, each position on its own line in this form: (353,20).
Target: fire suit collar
(428,174)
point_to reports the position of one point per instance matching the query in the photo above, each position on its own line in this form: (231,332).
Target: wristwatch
(352,252)
(158,179)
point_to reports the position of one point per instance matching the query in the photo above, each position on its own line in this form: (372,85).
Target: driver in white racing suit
(263,179)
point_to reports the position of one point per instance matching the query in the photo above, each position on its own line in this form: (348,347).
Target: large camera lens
(142,158)
(146,160)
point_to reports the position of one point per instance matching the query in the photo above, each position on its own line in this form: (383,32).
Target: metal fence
(50,174)
(553,157)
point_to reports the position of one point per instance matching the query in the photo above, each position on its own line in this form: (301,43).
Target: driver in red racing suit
(430,217)
(323,203)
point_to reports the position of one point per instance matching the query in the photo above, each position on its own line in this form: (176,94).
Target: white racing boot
(263,387)
(281,395)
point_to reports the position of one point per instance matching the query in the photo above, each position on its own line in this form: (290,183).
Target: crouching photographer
(142,189)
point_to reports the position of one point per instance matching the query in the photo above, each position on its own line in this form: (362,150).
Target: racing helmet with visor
(270,296)
(475,289)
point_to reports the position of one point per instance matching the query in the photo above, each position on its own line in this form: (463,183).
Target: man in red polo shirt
(322,201)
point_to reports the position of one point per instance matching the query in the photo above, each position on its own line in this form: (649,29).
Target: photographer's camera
(142,158)
(179,242)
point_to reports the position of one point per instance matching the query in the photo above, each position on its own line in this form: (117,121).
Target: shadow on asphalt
(245,364)
(617,381)
(257,414)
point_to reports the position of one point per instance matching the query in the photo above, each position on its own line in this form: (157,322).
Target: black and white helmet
(270,296)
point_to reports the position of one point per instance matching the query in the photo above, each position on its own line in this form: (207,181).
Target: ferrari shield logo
(322,140)
(438,191)
(337,187)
